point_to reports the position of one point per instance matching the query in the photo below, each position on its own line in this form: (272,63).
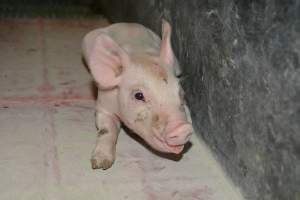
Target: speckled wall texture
(241,63)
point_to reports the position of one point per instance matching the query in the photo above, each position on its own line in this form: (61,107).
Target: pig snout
(179,134)
(176,134)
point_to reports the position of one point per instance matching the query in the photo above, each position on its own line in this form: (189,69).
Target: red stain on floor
(51,154)
(61,99)
(45,88)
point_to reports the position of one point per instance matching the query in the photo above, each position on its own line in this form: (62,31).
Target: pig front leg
(108,127)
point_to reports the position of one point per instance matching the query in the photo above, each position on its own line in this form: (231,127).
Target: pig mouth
(165,147)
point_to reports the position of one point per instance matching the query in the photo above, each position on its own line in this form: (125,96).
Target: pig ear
(166,52)
(105,60)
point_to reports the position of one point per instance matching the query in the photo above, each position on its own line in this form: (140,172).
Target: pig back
(135,38)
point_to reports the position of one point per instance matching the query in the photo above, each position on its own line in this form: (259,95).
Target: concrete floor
(47,129)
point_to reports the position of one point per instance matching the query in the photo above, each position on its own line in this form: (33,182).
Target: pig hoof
(98,163)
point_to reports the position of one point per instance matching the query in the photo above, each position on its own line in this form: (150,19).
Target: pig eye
(139,96)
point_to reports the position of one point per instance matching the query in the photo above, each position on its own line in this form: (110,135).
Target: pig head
(136,75)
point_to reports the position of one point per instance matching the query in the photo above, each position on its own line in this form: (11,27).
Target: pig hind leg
(103,155)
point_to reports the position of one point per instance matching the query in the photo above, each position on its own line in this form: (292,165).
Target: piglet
(136,75)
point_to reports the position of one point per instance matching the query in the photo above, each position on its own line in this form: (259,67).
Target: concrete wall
(241,63)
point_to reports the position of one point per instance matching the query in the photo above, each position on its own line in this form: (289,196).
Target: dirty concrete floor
(47,129)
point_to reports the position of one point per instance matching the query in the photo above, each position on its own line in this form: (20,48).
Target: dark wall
(241,63)
(46,8)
